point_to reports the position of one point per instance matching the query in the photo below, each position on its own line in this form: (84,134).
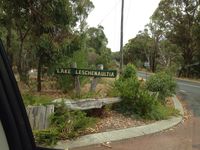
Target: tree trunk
(21,67)
(23,73)
(8,44)
(187,57)
(39,69)
(153,62)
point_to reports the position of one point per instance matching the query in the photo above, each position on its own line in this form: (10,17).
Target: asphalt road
(185,136)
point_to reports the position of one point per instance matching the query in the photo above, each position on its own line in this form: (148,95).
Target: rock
(107,144)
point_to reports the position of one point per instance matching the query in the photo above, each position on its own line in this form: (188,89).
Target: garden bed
(113,120)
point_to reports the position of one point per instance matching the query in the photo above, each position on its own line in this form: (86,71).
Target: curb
(125,133)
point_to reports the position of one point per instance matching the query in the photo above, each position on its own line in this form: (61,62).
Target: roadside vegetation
(40,37)
(141,99)
(65,124)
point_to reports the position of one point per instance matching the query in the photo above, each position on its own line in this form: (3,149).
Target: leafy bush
(163,83)
(46,137)
(137,100)
(112,91)
(128,87)
(70,123)
(128,84)
(65,83)
(65,124)
(129,72)
(161,111)
(144,104)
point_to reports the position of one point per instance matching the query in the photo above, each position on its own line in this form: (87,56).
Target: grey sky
(107,13)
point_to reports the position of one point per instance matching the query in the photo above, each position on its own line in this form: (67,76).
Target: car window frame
(3,141)
(13,114)
(12,110)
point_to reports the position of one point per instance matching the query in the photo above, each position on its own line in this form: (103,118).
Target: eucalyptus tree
(138,50)
(55,21)
(6,23)
(15,17)
(96,39)
(42,27)
(156,35)
(169,54)
(178,20)
(82,8)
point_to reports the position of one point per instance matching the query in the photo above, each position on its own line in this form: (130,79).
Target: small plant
(163,83)
(128,88)
(161,111)
(46,137)
(145,103)
(33,99)
(65,124)
(128,84)
(129,72)
(112,91)
(70,123)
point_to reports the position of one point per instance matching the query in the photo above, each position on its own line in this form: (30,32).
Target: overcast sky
(108,14)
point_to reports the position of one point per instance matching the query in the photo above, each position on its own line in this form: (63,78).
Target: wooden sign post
(95,79)
(86,72)
(77,85)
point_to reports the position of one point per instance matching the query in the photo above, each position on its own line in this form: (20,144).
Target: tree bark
(21,69)
(8,44)
(23,72)
(95,79)
(187,57)
(77,85)
(39,69)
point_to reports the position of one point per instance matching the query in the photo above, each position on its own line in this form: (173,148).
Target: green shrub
(138,101)
(163,83)
(46,137)
(128,84)
(161,111)
(129,72)
(113,91)
(66,83)
(145,103)
(70,123)
(128,87)
(65,124)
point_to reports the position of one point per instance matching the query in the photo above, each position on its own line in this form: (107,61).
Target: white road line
(189,85)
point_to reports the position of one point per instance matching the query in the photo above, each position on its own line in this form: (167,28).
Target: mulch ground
(115,121)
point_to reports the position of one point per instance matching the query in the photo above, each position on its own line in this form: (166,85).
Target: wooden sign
(87,72)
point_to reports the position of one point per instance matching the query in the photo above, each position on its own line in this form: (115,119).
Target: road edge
(127,133)
(180,79)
